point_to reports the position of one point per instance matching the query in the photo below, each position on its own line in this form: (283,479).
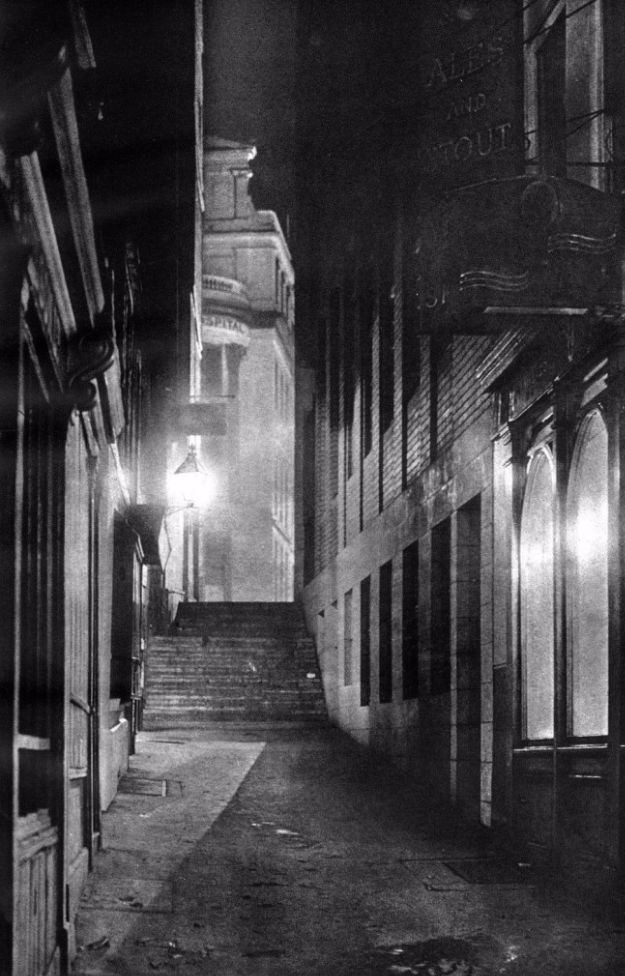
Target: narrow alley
(283,849)
(312,482)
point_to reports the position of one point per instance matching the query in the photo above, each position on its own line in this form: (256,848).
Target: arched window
(537,606)
(587,581)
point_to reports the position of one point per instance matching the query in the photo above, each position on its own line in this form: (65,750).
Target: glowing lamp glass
(191,485)
(590,533)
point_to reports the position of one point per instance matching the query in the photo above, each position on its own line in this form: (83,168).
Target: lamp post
(191,480)
(191,488)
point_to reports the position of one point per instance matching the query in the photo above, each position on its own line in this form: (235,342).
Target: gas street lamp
(191,485)
(191,489)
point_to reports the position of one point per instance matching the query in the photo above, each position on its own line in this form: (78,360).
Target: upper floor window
(537,598)
(212,371)
(568,132)
(551,77)
(587,581)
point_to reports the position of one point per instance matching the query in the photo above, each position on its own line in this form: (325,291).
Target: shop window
(551,62)
(537,604)
(587,581)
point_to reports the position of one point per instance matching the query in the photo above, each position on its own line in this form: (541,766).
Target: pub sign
(468,70)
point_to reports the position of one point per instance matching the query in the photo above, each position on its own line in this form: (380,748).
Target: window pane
(587,596)
(537,636)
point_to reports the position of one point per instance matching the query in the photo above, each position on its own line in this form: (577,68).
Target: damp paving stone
(264,953)
(489,871)
(433,957)
(127,895)
(140,784)
(267,884)
(436,876)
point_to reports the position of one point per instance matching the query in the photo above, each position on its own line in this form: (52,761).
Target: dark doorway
(386,632)
(440,608)
(365,641)
(468,662)
(410,621)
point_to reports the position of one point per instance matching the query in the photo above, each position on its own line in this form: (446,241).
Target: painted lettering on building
(217,329)
(440,72)
(469,96)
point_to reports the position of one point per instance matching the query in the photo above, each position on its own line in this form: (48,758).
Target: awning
(515,245)
(146,521)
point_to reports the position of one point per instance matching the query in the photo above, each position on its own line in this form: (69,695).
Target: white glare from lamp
(190,485)
(590,533)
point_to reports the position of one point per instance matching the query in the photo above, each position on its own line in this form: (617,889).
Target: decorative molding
(122,480)
(65,124)
(95,376)
(82,38)
(38,198)
(90,355)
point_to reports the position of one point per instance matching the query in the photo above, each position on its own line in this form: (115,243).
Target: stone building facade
(244,374)
(460,489)
(83,380)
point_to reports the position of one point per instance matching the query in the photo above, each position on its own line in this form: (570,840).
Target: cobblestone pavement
(295,853)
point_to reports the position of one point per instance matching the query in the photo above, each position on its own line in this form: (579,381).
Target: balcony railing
(225,310)
(224,286)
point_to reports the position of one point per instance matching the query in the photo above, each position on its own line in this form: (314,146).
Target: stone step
(240,704)
(237,704)
(188,683)
(205,672)
(235,688)
(263,690)
(236,653)
(201,717)
(239,610)
(226,653)
(261,624)
(248,666)
(233,661)
(233,647)
(226,665)
(286,708)
(231,701)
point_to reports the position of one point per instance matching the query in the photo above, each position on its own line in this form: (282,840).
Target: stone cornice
(63,112)
(38,198)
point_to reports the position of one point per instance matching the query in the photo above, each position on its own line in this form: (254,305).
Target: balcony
(224,293)
(225,311)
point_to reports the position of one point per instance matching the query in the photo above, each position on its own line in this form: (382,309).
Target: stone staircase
(233,662)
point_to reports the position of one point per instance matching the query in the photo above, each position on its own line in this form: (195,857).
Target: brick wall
(433,459)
